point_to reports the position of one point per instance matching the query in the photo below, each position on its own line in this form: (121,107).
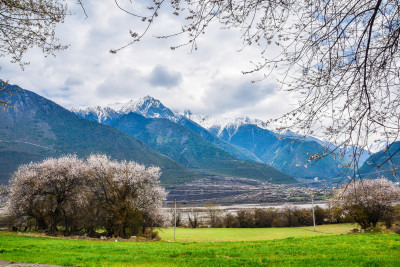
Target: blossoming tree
(367,201)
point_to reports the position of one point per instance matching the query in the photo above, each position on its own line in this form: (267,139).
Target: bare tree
(5,94)
(193,217)
(26,24)
(214,213)
(339,58)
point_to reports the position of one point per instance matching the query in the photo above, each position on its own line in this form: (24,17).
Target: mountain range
(186,147)
(37,128)
(241,138)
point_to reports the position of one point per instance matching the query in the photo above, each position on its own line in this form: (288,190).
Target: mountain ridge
(38,128)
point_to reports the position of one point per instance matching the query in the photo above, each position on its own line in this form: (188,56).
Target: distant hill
(378,164)
(38,128)
(193,151)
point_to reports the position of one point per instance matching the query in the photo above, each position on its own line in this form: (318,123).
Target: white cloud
(208,80)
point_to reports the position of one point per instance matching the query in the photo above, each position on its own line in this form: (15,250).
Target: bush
(396,229)
(231,221)
(264,218)
(245,218)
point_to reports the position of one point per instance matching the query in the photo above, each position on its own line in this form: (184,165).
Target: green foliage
(331,250)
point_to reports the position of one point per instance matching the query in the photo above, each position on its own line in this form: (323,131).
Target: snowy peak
(214,122)
(378,146)
(98,113)
(146,106)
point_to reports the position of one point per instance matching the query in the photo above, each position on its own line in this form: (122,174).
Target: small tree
(214,213)
(245,218)
(367,201)
(193,218)
(264,218)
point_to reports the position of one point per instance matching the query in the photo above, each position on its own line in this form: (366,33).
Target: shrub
(264,218)
(245,218)
(231,221)
(396,229)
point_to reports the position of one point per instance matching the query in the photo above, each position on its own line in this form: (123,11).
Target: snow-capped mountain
(245,138)
(98,113)
(217,124)
(209,122)
(147,107)
(378,146)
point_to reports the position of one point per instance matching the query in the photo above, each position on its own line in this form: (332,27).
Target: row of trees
(289,216)
(365,202)
(80,196)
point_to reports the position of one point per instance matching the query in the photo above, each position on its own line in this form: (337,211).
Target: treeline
(72,196)
(366,202)
(288,216)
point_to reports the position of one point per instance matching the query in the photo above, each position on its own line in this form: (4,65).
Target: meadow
(289,246)
(251,234)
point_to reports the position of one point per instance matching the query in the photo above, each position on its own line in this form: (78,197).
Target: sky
(208,81)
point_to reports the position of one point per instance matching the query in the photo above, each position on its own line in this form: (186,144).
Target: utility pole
(175,222)
(313,214)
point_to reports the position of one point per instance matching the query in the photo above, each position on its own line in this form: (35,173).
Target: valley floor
(289,246)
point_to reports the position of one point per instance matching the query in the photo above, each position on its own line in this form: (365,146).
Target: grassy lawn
(323,250)
(250,234)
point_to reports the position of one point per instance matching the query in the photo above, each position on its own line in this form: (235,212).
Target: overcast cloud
(207,81)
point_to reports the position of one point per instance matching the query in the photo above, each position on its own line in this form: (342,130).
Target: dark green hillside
(38,128)
(196,153)
(377,165)
(284,154)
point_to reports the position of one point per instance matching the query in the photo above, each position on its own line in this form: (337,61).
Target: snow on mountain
(147,107)
(153,108)
(98,113)
(378,146)
(218,123)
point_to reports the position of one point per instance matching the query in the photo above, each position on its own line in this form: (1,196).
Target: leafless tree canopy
(339,58)
(29,23)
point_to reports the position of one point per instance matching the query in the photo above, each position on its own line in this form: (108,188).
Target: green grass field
(250,234)
(324,249)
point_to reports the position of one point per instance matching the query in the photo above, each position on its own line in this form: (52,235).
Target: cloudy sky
(206,81)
